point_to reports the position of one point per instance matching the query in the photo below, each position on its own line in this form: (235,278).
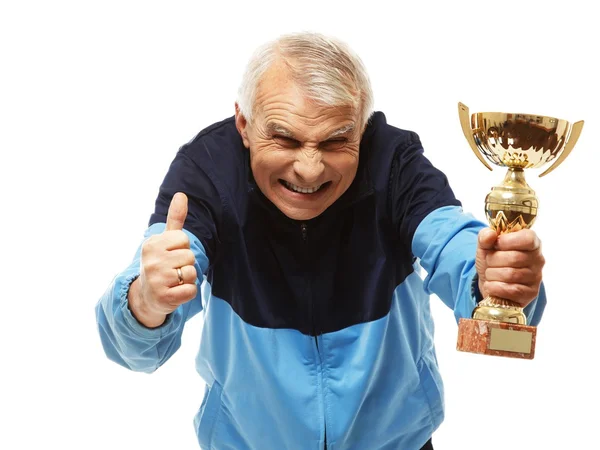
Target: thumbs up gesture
(167,273)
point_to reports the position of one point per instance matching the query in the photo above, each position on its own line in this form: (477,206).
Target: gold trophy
(516,141)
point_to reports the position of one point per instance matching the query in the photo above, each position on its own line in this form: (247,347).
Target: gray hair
(325,69)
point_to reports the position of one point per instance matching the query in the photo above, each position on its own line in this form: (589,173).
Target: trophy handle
(463,113)
(571,141)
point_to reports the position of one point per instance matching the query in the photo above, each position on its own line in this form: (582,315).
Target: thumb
(178,210)
(487,239)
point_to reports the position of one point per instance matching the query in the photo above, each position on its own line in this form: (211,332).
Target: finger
(487,239)
(178,295)
(188,276)
(515,259)
(156,246)
(526,240)
(175,239)
(178,210)
(523,275)
(522,294)
(178,258)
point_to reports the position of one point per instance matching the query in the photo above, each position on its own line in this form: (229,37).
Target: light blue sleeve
(445,242)
(125,340)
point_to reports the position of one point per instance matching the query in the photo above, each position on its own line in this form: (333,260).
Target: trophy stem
(509,207)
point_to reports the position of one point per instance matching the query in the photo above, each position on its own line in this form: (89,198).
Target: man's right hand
(158,291)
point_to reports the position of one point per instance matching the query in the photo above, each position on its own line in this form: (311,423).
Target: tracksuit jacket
(316,334)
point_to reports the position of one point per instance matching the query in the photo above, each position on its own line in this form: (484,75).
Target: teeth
(301,190)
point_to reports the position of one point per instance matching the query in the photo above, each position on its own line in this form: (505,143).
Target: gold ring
(180,275)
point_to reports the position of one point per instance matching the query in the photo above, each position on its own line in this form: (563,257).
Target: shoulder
(218,152)
(387,149)
(216,142)
(383,136)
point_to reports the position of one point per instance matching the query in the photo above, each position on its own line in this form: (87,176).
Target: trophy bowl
(517,140)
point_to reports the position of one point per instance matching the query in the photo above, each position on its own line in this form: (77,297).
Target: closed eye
(334,144)
(286,142)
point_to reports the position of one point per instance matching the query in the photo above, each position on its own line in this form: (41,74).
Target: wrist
(139,307)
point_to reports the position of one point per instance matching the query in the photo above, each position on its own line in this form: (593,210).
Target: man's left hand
(510,265)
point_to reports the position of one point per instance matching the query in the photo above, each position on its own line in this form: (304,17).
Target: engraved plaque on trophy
(518,142)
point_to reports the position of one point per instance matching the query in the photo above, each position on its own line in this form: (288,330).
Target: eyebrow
(276,128)
(342,130)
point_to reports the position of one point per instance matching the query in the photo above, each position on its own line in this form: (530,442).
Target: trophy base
(496,338)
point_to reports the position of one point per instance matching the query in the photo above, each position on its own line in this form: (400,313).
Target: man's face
(303,156)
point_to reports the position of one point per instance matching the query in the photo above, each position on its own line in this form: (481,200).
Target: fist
(167,272)
(509,266)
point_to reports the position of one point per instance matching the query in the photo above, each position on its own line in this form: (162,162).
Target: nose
(309,167)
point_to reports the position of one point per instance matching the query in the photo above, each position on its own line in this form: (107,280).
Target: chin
(299,214)
(304,216)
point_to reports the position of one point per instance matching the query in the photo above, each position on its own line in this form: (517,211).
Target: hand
(157,291)
(509,266)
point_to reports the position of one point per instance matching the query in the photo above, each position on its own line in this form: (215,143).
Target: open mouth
(304,190)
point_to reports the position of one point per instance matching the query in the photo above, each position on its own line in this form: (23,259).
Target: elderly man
(307,217)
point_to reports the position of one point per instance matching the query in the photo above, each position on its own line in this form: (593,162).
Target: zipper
(320,387)
(313,328)
(304,232)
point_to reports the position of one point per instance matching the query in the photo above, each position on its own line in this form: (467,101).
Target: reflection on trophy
(518,142)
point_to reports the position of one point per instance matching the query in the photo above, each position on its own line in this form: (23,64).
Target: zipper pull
(304,229)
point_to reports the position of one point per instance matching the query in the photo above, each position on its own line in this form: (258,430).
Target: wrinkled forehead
(281,105)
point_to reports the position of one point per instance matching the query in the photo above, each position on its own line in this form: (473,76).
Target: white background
(95,100)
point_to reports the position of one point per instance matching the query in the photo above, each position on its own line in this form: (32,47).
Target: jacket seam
(425,367)
(211,432)
(391,178)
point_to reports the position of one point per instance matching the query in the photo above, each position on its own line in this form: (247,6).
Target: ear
(242,125)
